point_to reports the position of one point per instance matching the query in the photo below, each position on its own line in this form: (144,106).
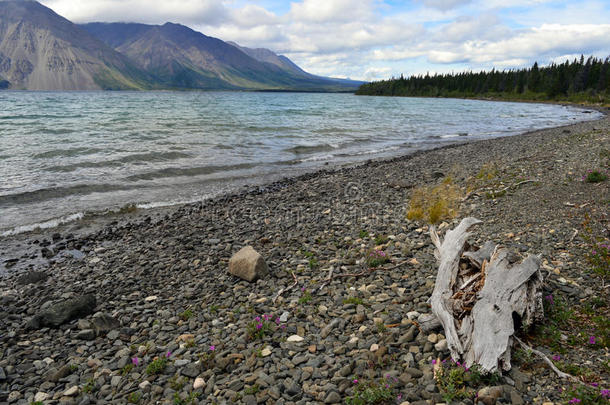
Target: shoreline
(164,279)
(14,247)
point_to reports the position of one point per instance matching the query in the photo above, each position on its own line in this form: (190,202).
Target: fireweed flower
(574,401)
(135,361)
(549,298)
(556,357)
(259,326)
(591,340)
(168,354)
(257,319)
(355,381)
(212,348)
(605,393)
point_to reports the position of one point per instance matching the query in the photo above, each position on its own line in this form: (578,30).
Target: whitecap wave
(52,223)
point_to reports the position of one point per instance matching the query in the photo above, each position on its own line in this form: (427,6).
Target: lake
(65,155)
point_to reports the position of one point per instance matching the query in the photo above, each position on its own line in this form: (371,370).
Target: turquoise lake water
(66,154)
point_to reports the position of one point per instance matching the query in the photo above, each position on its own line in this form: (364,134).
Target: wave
(51,223)
(141,157)
(51,193)
(307,149)
(66,153)
(36,116)
(317,158)
(189,172)
(359,153)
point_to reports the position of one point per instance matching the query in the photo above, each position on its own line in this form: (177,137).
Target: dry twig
(283,290)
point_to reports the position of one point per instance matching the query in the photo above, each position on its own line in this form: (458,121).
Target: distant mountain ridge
(40,50)
(266,55)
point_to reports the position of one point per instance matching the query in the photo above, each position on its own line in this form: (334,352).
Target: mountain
(183,58)
(40,50)
(268,56)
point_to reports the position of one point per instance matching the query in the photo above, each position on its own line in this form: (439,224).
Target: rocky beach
(146,311)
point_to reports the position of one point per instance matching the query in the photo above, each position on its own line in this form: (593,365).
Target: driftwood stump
(481,296)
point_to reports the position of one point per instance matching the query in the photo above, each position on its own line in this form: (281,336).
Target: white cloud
(253,16)
(444,4)
(331,10)
(367,39)
(143,11)
(377,73)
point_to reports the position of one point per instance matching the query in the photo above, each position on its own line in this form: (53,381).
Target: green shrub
(156,366)
(372,392)
(595,176)
(376,258)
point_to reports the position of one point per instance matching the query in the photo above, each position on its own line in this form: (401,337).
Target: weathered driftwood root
(557,371)
(481,296)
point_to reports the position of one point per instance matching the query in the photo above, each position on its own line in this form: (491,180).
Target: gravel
(164,293)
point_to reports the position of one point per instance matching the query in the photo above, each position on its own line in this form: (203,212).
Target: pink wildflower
(212,348)
(591,340)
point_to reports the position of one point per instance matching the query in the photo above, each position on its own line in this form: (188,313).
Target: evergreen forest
(581,80)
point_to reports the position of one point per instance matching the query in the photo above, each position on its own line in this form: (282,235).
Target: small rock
(87,334)
(489,395)
(294,338)
(266,352)
(70,392)
(145,386)
(441,346)
(199,383)
(41,397)
(14,396)
(113,335)
(32,277)
(249,400)
(248,264)
(293,389)
(191,370)
(374,347)
(332,398)
(328,328)
(103,323)
(63,312)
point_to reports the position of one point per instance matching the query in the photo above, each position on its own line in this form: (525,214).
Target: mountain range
(40,50)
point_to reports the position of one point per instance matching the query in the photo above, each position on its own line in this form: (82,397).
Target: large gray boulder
(63,312)
(248,264)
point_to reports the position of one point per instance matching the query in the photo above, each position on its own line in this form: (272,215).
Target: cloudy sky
(374,39)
